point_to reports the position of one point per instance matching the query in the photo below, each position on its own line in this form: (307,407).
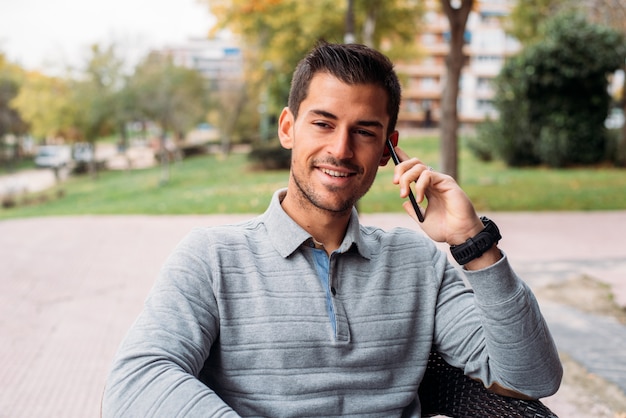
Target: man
(302,311)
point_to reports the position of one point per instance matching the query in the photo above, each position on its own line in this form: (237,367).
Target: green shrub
(271,156)
(553,97)
(615,151)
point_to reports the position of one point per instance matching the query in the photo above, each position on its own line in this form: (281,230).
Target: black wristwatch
(476,246)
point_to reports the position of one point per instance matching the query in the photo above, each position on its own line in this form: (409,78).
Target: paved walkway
(71,287)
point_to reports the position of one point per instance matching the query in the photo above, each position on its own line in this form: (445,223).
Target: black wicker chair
(445,390)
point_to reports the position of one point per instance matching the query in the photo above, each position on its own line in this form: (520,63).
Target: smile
(334,173)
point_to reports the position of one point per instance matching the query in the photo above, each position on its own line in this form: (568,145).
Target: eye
(322,124)
(364,133)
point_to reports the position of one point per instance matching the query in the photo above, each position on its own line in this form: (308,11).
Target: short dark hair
(352,64)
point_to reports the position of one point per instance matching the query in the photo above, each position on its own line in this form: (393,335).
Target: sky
(49,35)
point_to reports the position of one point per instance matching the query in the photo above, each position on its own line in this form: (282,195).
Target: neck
(326,227)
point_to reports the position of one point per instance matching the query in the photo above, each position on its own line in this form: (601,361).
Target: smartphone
(396,161)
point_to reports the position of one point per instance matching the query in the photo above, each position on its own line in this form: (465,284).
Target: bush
(615,147)
(480,144)
(553,97)
(271,156)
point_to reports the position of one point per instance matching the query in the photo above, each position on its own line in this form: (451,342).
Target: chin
(338,207)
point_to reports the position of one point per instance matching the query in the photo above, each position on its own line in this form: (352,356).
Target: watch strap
(476,246)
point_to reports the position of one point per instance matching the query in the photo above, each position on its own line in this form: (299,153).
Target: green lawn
(213,184)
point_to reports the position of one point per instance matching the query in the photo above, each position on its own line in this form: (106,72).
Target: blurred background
(135,108)
(535,83)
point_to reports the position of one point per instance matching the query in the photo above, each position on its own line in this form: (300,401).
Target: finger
(419,174)
(424,182)
(403,156)
(404,166)
(408,207)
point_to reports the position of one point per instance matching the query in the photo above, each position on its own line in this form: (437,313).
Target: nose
(341,147)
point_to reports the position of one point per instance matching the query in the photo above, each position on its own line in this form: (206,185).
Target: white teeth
(335,173)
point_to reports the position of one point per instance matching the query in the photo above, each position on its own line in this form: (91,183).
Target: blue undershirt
(322,265)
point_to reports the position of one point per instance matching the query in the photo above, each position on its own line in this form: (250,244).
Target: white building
(220,61)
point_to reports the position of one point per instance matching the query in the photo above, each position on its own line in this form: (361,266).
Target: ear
(386,153)
(285,128)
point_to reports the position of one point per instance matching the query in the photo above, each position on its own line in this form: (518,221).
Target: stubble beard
(307,197)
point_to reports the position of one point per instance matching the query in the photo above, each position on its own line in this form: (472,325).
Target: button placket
(342,329)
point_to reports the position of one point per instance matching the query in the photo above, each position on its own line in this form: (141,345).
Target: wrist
(481,244)
(461,237)
(488,258)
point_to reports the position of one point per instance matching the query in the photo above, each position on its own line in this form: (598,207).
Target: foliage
(80,108)
(174,96)
(553,97)
(94,95)
(527,17)
(281,32)
(10,119)
(278,33)
(101,98)
(46,104)
(271,156)
(11,123)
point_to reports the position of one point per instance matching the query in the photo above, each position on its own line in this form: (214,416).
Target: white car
(53,156)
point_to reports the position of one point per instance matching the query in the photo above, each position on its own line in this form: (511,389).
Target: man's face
(337,142)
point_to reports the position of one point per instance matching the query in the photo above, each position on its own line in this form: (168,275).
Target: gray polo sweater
(240,324)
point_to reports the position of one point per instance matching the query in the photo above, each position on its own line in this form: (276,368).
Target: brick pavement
(71,287)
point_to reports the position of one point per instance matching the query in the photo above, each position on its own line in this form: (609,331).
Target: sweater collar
(287,236)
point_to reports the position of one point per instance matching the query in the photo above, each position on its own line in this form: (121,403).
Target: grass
(212,184)
(494,187)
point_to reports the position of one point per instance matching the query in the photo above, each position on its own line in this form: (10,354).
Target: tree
(11,122)
(45,103)
(278,33)
(457,13)
(175,97)
(274,36)
(528,16)
(10,79)
(612,13)
(553,97)
(94,96)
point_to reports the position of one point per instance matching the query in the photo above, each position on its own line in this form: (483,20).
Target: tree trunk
(92,167)
(449,123)
(165,160)
(369,26)
(348,37)
(230,115)
(621,142)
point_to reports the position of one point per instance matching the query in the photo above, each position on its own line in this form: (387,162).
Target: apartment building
(487,46)
(220,61)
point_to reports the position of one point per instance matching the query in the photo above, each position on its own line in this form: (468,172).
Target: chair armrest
(445,390)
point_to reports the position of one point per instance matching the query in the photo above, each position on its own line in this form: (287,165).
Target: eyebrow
(368,123)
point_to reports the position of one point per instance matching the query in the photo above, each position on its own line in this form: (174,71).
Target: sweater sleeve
(155,370)
(496,332)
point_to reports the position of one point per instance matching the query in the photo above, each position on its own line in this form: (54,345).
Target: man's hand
(450,215)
